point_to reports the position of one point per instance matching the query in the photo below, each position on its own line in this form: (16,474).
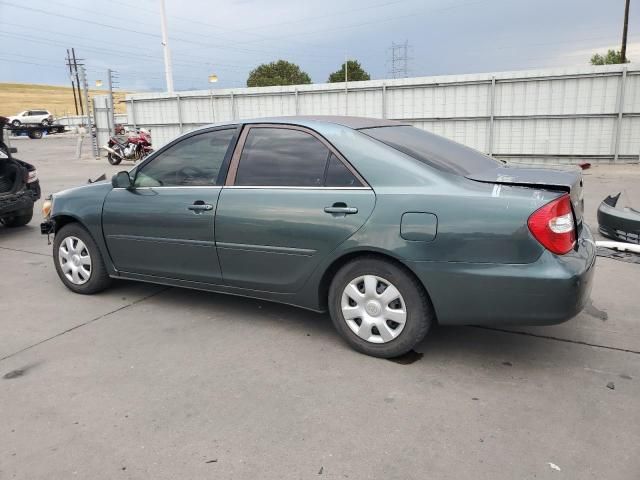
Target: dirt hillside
(16,97)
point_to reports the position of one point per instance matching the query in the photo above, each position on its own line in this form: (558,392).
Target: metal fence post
(620,102)
(213,111)
(179,112)
(491,114)
(133,115)
(384,100)
(297,110)
(233,107)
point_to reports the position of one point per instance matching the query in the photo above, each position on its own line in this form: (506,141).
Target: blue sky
(231,37)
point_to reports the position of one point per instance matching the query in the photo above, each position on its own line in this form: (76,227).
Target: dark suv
(19,186)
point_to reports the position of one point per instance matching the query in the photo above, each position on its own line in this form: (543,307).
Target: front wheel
(379,308)
(113,160)
(78,260)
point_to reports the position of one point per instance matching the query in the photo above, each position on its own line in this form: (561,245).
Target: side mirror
(13,150)
(121,180)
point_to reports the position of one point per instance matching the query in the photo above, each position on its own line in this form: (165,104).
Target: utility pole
(168,70)
(75,67)
(623,51)
(73,85)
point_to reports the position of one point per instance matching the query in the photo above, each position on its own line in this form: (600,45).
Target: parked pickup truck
(19,185)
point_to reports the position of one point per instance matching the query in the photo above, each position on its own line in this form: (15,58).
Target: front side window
(194,161)
(282,157)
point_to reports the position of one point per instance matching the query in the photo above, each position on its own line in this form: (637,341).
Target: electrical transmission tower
(399,60)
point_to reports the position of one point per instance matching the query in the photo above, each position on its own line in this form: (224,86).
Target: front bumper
(47,227)
(551,290)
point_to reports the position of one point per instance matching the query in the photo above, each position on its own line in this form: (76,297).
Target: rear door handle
(199,207)
(341,210)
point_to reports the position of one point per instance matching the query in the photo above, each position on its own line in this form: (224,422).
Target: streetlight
(213,78)
(98,83)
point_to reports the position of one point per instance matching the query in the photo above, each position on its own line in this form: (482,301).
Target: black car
(19,186)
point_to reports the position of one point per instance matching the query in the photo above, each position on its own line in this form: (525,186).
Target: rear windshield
(433,150)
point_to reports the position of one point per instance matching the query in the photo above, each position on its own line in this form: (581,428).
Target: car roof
(355,123)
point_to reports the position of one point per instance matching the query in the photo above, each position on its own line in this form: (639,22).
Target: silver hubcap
(373,309)
(75,260)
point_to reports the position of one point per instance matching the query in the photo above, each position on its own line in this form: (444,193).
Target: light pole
(168,70)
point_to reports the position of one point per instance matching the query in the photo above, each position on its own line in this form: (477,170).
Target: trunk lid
(569,181)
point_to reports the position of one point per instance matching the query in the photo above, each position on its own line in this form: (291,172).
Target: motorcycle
(136,147)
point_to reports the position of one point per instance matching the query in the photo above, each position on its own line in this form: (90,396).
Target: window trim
(222,174)
(235,158)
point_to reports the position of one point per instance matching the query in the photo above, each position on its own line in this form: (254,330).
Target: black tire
(16,123)
(45,123)
(35,134)
(18,220)
(99,278)
(113,160)
(419,311)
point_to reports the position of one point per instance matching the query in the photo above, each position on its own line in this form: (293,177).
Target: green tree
(277,73)
(355,73)
(611,57)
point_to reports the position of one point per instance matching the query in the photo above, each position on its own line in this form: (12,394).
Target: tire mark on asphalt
(86,323)
(557,339)
(25,251)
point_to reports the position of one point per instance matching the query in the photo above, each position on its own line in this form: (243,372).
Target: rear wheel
(35,134)
(113,160)
(18,220)
(45,123)
(379,308)
(78,260)
(16,123)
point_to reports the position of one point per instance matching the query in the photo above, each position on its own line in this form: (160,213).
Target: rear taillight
(32,176)
(553,226)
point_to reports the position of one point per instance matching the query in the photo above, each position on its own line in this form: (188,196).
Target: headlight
(46,207)
(32,176)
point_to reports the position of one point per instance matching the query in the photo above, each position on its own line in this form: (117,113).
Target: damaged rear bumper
(20,201)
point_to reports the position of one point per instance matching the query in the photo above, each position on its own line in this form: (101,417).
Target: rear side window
(433,150)
(194,161)
(282,157)
(338,175)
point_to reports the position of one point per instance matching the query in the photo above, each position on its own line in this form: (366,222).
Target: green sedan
(388,227)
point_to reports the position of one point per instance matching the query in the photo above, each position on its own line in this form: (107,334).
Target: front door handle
(341,210)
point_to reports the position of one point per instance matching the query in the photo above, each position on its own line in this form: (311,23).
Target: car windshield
(433,150)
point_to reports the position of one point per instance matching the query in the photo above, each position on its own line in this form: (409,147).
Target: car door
(289,200)
(164,225)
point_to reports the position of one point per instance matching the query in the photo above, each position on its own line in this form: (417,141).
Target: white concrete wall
(556,116)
